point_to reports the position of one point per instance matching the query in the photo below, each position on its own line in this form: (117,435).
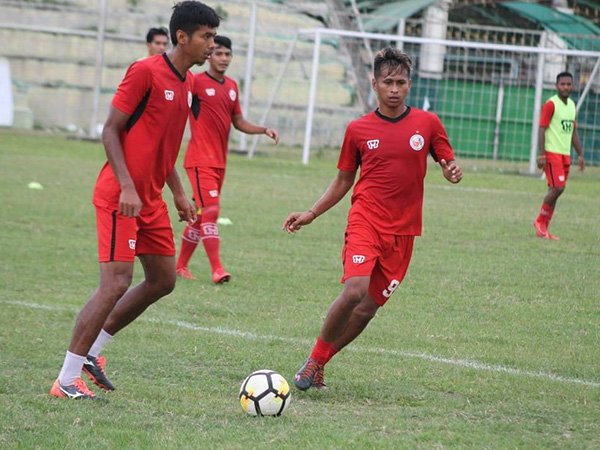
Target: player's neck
(219,76)
(179,61)
(394,112)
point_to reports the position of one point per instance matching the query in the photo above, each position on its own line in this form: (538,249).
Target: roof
(578,32)
(387,16)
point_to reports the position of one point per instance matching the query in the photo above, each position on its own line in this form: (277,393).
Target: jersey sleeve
(440,144)
(237,109)
(350,154)
(547,113)
(134,86)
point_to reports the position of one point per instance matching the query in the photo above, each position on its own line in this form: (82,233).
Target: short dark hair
(162,31)
(189,15)
(223,41)
(564,74)
(393,59)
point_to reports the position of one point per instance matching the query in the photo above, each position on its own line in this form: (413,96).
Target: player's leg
(116,270)
(556,176)
(191,232)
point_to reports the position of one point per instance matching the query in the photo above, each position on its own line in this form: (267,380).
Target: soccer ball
(265,393)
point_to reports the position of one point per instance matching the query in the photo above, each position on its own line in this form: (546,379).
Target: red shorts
(122,238)
(206,183)
(557,169)
(383,257)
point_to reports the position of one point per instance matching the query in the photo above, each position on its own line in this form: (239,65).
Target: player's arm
(129,200)
(451,171)
(185,208)
(442,152)
(545,118)
(336,191)
(240,123)
(577,146)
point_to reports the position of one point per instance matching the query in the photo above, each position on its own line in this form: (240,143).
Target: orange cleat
(183,272)
(76,391)
(540,229)
(219,276)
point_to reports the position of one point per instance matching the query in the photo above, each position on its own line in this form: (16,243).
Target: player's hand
(451,171)
(185,209)
(581,162)
(297,220)
(130,204)
(541,162)
(273,134)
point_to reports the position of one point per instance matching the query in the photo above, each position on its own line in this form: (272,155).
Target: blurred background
(485,67)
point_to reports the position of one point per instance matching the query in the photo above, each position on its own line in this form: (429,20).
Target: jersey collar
(172,67)
(393,119)
(213,78)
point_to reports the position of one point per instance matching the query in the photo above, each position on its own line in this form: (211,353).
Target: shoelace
(81,386)
(311,367)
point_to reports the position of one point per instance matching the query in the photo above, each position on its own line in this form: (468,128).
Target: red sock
(189,242)
(331,354)
(321,351)
(545,214)
(209,233)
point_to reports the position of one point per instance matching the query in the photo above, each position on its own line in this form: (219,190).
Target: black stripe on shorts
(113,236)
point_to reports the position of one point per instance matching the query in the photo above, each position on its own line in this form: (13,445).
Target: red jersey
(157,98)
(392,155)
(211,124)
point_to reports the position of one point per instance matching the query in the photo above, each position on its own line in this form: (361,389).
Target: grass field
(492,341)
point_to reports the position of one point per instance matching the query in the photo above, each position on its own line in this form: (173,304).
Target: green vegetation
(491,342)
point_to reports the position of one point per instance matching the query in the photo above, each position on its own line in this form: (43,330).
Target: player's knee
(116,285)
(163,286)
(355,293)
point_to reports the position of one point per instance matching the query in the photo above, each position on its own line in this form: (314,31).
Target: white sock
(101,341)
(71,369)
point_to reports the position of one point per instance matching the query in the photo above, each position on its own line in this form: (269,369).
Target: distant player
(157,41)
(206,155)
(557,133)
(390,147)
(142,137)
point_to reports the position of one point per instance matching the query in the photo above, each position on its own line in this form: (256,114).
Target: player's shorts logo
(210,92)
(213,193)
(232,95)
(358,259)
(561,178)
(416,142)
(189,99)
(373,144)
(169,95)
(132,244)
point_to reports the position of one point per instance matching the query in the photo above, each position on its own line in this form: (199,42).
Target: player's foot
(552,237)
(541,230)
(319,380)
(94,369)
(219,276)
(76,391)
(183,272)
(307,374)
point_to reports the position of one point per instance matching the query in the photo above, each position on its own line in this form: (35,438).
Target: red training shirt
(219,102)
(392,155)
(157,98)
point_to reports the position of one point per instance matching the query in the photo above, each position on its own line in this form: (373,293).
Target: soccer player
(157,40)
(142,137)
(390,146)
(557,133)
(206,156)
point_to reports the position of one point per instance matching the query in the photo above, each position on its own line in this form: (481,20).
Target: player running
(390,146)
(206,156)
(557,133)
(142,137)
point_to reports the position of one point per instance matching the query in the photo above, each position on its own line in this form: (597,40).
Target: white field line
(468,364)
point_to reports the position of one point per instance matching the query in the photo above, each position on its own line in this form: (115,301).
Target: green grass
(489,342)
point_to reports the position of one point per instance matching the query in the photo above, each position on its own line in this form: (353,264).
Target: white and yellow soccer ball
(265,393)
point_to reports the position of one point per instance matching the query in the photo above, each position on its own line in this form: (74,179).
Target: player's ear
(182,37)
(373,83)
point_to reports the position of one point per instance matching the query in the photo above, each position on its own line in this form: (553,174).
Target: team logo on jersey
(189,99)
(132,244)
(358,259)
(213,193)
(416,142)
(373,144)
(210,92)
(567,126)
(232,95)
(169,95)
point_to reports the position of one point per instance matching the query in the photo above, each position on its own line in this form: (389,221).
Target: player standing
(157,41)
(557,133)
(206,155)
(390,146)
(142,137)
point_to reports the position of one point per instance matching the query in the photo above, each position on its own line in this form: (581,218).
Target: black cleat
(307,375)
(94,369)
